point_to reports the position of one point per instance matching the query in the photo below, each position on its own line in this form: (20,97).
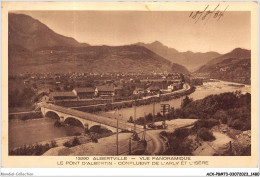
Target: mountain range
(192,61)
(33,47)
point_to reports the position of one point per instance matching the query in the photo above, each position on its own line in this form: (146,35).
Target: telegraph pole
(153,112)
(163,116)
(117,132)
(135,115)
(130,148)
(144,126)
(164,108)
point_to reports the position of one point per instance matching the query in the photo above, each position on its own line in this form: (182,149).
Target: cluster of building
(104,91)
(154,89)
(79,86)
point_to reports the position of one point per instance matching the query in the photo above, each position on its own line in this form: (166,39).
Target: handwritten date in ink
(207,14)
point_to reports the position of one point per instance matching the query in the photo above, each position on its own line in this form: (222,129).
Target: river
(208,88)
(31,131)
(37,130)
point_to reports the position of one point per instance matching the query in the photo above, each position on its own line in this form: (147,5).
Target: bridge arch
(74,121)
(52,115)
(86,121)
(102,127)
(99,129)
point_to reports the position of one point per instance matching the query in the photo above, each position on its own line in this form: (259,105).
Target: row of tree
(232,108)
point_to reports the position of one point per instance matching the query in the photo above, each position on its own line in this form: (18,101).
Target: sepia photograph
(159,83)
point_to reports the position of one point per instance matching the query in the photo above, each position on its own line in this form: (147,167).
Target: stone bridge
(87,120)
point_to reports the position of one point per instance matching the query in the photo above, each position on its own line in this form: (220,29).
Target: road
(155,145)
(185,88)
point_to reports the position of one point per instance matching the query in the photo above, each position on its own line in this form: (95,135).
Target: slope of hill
(233,70)
(106,59)
(189,59)
(100,59)
(30,33)
(33,47)
(237,53)
(234,66)
(179,68)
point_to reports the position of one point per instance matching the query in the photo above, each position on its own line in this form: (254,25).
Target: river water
(206,89)
(31,131)
(37,130)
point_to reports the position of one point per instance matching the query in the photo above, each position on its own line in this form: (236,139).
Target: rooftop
(84,90)
(57,94)
(106,88)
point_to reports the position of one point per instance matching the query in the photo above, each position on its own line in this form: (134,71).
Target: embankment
(138,102)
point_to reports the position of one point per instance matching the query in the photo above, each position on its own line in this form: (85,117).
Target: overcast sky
(174,29)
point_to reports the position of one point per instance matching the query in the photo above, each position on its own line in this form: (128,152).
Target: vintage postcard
(129,84)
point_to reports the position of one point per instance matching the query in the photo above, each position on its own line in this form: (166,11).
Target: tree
(149,117)
(186,101)
(222,116)
(131,120)
(205,134)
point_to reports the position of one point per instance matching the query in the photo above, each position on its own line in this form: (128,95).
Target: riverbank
(138,102)
(30,131)
(100,148)
(25,132)
(41,147)
(26,115)
(109,105)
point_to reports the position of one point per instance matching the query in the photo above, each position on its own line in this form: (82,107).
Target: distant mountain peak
(32,34)
(157,43)
(191,60)
(189,52)
(236,50)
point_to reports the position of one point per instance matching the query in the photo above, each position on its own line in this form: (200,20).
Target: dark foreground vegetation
(34,150)
(231,108)
(180,144)
(74,142)
(184,141)
(20,97)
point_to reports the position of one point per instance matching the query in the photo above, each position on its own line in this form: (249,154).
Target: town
(90,87)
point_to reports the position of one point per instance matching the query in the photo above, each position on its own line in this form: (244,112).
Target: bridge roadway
(89,117)
(155,145)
